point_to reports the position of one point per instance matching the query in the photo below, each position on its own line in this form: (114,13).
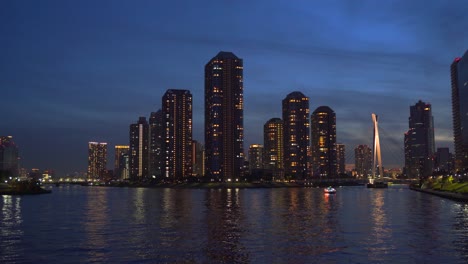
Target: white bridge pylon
(376,150)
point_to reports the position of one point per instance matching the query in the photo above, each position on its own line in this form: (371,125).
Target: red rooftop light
(457,59)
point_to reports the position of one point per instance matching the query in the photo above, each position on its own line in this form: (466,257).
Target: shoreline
(459,197)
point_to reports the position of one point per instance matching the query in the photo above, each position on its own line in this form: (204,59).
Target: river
(77,224)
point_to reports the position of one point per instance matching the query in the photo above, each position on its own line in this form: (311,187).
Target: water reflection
(460,227)
(96,222)
(11,232)
(378,241)
(224,220)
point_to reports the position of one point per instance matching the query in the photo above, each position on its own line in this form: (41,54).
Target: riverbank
(460,197)
(22,188)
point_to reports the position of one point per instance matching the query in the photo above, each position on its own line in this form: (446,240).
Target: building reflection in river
(10,230)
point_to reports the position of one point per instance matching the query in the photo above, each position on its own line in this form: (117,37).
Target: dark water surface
(77,224)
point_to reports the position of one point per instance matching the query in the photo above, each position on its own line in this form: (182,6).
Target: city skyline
(71,70)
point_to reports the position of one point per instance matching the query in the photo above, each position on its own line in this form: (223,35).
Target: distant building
(323,134)
(255,157)
(9,157)
(363,161)
(198,158)
(443,161)
(177,117)
(459,80)
(340,158)
(139,150)
(273,150)
(419,141)
(224,115)
(97,160)
(296,137)
(156,157)
(121,165)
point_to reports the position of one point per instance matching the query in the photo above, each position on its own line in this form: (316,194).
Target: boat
(329,190)
(377,184)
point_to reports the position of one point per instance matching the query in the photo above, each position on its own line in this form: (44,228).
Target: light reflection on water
(78,224)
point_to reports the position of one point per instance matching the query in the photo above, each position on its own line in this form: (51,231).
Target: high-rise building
(97,160)
(419,142)
(340,158)
(139,150)
(156,158)
(296,139)
(323,135)
(224,113)
(363,161)
(198,158)
(120,161)
(177,118)
(9,158)
(443,161)
(255,157)
(273,151)
(459,79)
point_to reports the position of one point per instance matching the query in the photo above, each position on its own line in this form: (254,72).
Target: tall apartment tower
(97,160)
(419,141)
(255,157)
(273,151)
(296,139)
(443,161)
(177,118)
(198,158)
(120,160)
(363,161)
(459,79)
(340,158)
(323,128)
(156,133)
(139,150)
(9,156)
(224,113)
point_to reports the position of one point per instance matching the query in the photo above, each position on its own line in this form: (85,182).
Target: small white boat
(329,190)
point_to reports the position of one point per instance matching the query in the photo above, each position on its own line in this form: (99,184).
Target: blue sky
(79,71)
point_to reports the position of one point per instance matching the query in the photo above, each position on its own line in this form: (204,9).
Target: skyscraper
(198,158)
(139,150)
(156,131)
(8,157)
(177,118)
(255,157)
(273,151)
(120,158)
(459,79)
(97,160)
(340,158)
(419,142)
(443,161)
(363,161)
(296,139)
(323,127)
(224,113)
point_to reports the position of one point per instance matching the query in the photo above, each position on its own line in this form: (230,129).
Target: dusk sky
(79,71)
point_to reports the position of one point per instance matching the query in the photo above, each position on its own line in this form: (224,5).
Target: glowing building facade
(459,79)
(323,135)
(296,139)
(224,113)
(139,150)
(273,151)
(177,147)
(121,166)
(97,160)
(9,157)
(419,142)
(363,161)
(156,131)
(255,157)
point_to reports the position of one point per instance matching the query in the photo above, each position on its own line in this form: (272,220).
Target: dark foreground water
(78,224)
